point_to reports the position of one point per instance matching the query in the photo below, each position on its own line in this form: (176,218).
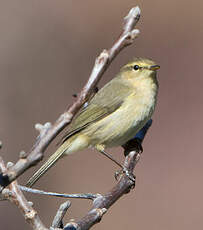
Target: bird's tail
(49,163)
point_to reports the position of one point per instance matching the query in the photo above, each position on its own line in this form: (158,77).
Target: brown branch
(14,194)
(103,203)
(48,132)
(100,204)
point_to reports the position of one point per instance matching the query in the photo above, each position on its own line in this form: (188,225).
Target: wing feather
(106,101)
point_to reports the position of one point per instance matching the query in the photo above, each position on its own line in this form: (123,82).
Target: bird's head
(139,68)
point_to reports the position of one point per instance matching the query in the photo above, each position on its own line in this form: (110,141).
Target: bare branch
(103,203)
(131,19)
(57,222)
(49,133)
(87,196)
(43,128)
(14,194)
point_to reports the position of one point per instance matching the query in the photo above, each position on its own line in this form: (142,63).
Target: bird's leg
(110,157)
(100,148)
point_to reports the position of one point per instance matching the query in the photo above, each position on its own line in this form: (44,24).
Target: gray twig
(88,196)
(57,222)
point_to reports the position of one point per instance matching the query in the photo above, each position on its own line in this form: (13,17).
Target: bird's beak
(154,67)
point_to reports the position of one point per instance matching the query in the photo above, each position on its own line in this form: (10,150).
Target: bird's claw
(119,173)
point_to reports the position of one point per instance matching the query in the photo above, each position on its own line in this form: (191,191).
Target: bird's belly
(120,126)
(125,129)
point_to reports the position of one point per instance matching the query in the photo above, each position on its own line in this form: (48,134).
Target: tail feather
(48,164)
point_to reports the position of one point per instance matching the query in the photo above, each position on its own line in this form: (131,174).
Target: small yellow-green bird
(114,115)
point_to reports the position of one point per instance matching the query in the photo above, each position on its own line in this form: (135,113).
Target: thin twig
(57,222)
(49,133)
(86,196)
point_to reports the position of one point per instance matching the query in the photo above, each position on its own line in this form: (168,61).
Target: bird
(113,115)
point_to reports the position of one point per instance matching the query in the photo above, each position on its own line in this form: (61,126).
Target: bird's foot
(119,173)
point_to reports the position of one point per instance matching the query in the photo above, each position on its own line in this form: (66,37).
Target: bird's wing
(106,101)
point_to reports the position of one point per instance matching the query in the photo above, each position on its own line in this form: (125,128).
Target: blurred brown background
(47,50)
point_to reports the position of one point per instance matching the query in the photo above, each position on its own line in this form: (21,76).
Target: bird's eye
(136,67)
